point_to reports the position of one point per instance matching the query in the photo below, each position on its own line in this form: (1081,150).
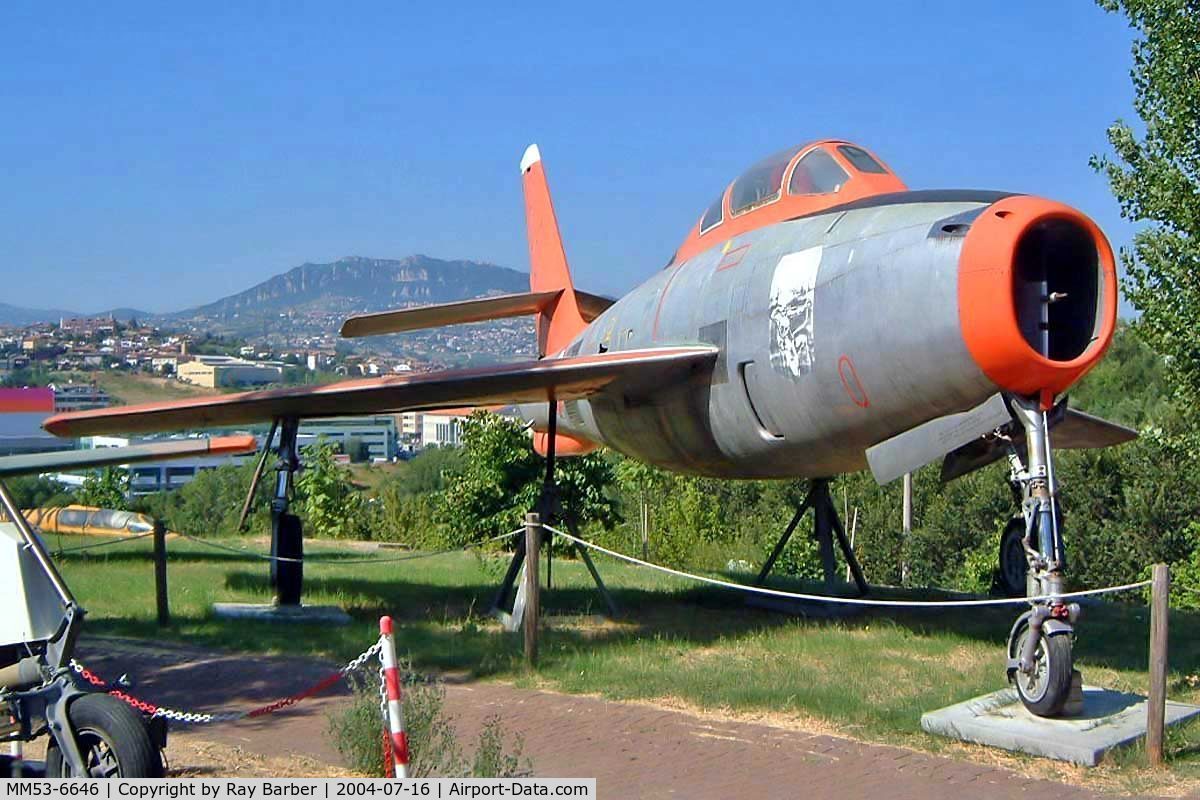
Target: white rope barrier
(853,601)
(106,543)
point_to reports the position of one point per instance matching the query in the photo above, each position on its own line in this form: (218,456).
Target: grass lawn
(131,389)
(869,676)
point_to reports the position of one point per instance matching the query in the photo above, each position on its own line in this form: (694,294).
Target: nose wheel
(1045,685)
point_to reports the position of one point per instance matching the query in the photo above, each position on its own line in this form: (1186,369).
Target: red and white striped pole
(395,700)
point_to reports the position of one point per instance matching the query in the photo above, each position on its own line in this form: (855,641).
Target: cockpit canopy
(791,183)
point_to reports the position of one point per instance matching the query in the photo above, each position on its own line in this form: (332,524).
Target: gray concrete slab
(1109,719)
(327,615)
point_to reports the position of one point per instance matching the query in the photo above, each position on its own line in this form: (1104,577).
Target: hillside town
(78,364)
(192,356)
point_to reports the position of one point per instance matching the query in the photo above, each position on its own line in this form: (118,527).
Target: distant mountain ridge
(349,284)
(19,315)
(366,284)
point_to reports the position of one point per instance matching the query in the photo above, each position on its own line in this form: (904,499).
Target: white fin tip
(531,157)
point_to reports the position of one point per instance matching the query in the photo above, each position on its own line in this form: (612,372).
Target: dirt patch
(195,758)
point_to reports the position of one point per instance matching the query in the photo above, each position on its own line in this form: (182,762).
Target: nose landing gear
(1040,659)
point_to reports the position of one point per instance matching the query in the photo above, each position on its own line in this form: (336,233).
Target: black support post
(160,573)
(287,535)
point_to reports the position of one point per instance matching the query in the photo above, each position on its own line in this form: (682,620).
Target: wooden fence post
(531,621)
(160,572)
(1156,703)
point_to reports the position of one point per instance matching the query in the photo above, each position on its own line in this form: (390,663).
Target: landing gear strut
(287,534)
(1040,660)
(550,511)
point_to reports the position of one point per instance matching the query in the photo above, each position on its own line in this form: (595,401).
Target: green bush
(433,742)
(210,503)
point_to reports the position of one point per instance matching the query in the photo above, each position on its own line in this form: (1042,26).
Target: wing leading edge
(524,382)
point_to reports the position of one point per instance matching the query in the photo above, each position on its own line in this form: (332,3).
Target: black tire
(1046,691)
(1013,565)
(113,739)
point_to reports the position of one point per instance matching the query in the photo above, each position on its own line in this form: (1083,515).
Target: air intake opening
(1057,280)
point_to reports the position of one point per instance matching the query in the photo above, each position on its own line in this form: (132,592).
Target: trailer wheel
(112,738)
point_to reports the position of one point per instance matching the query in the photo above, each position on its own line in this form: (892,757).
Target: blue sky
(159,157)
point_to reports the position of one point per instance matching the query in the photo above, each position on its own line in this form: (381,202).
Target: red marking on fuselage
(851,383)
(733,258)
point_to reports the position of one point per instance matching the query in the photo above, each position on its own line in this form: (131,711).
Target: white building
(443,428)
(377,433)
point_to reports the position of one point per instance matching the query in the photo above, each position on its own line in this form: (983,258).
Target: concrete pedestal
(266,612)
(1108,720)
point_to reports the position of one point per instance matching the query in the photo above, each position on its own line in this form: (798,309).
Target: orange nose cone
(1037,294)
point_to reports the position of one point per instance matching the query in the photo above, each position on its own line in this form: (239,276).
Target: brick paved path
(633,750)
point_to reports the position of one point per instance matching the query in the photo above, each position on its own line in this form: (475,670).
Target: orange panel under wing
(564,445)
(502,384)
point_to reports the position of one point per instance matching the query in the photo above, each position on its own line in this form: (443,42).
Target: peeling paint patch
(793,290)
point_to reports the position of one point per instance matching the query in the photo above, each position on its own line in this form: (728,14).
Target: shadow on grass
(116,555)
(441,619)
(1112,635)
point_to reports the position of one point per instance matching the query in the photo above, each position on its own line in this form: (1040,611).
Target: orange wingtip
(232,444)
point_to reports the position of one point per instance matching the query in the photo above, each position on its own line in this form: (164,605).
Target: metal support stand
(826,527)
(287,535)
(549,510)
(258,473)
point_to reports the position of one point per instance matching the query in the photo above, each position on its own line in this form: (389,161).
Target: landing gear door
(752,376)
(747,374)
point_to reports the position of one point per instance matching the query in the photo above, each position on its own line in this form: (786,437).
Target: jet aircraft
(818,319)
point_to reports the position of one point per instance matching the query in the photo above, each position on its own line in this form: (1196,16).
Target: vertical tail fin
(548,270)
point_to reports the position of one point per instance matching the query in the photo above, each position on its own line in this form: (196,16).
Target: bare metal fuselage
(836,331)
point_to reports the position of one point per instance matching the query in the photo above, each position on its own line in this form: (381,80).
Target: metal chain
(205,718)
(383,699)
(355,664)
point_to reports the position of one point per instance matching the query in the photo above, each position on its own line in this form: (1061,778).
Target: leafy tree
(1129,386)
(35,491)
(409,498)
(428,470)
(33,375)
(642,481)
(356,449)
(500,479)
(330,504)
(1156,179)
(210,503)
(106,488)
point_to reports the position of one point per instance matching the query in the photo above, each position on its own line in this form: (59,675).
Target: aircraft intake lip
(1012,244)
